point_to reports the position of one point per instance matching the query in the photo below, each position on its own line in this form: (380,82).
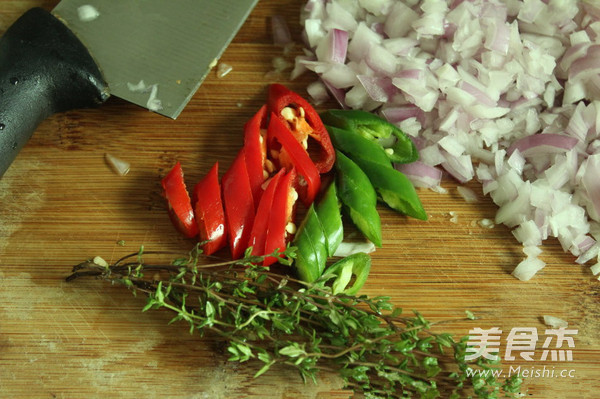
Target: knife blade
(153,53)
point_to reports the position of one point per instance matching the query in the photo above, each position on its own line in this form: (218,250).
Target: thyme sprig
(275,319)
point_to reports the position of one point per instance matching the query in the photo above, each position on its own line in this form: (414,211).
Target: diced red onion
(468,194)
(528,233)
(421,174)
(223,69)
(118,165)
(555,322)
(461,167)
(498,38)
(528,268)
(338,94)
(587,65)
(300,65)
(543,143)
(154,103)
(516,161)
(400,46)
(280,31)
(339,17)
(452,146)
(400,113)
(333,47)
(347,248)
(590,182)
(588,253)
(510,90)
(318,92)
(379,89)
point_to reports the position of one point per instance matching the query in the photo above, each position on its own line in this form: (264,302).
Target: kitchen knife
(154,53)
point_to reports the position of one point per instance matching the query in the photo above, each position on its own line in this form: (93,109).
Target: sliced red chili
(180,204)
(208,209)
(291,155)
(255,144)
(281,215)
(238,204)
(260,229)
(303,121)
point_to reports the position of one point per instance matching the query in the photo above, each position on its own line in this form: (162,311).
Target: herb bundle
(272,319)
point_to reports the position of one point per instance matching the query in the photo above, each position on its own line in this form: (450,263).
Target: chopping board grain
(61,204)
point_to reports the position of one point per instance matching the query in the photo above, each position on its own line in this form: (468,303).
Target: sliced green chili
(398,146)
(358,197)
(394,189)
(330,216)
(392,186)
(311,244)
(358,264)
(355,146)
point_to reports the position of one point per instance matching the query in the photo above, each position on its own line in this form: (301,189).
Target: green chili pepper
(311,244)
(355,146)
(358,197)
(398,146)
(392,186)
(394,189)
(330,216)
(358,264)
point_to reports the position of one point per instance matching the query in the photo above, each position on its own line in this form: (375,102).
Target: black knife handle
(44,69)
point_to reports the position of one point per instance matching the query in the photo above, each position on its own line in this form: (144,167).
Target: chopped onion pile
(504,92)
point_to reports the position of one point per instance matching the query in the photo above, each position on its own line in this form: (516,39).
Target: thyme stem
(279,320)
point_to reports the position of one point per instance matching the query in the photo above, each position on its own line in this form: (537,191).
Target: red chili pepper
(291,155)
(260,229)
(303,121)
(255,148)
(180,205)
(239,204)
(282,213)
(208,209)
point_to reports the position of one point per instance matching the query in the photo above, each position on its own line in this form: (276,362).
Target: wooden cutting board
(61,204)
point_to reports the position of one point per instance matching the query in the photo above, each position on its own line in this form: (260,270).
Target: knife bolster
(44,69)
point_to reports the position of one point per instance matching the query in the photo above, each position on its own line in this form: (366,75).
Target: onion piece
(118,165)
(543,144)
(527,268)
(421,174)
(223,69)
(97,260)
(486,223)
(590,182)
(467,194)
(87,13)
(280,31)
(379,89)
(347,248)
(555,322)
(138,87)
(333,47)
(154,103)
(318,92)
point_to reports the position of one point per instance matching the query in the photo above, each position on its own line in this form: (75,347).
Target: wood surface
(61,204)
